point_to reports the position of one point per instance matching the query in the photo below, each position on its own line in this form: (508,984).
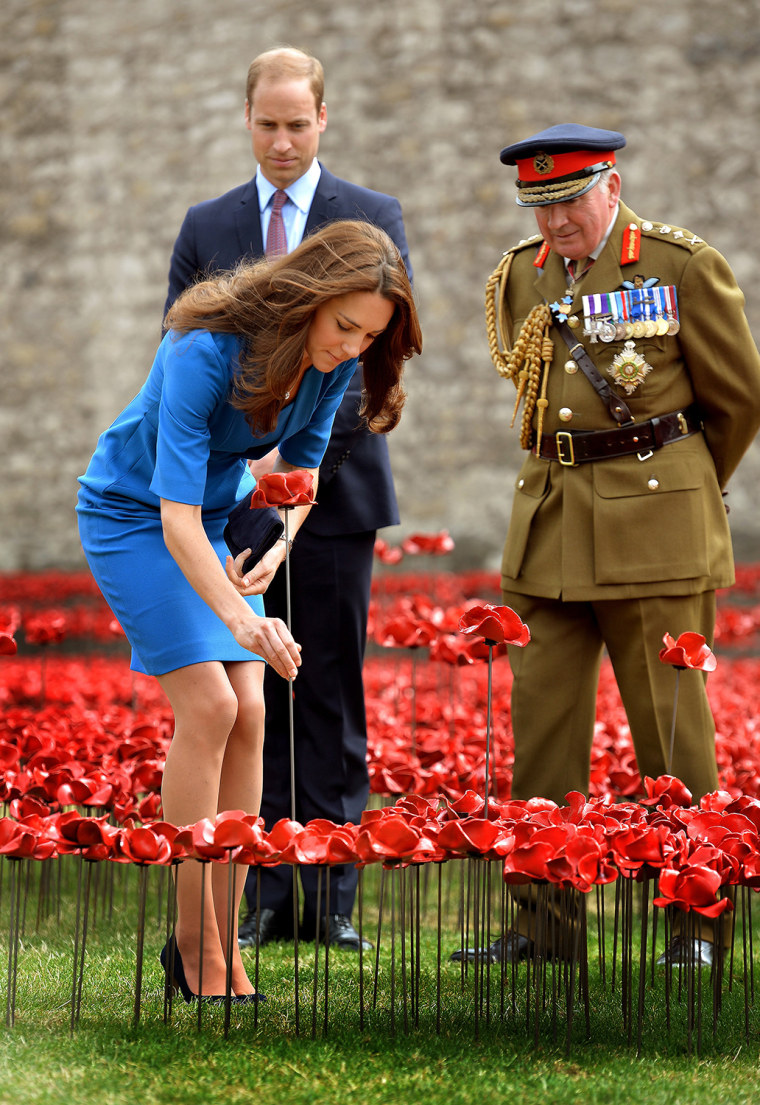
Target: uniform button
(653,484)
(521,484)
(571,367)
(565,414)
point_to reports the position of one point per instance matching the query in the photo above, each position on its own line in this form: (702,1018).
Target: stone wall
(118,114)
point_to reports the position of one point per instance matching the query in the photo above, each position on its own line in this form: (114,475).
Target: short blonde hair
(287,63)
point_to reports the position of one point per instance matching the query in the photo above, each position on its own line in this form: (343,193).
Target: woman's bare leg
(205,713)
(240,789)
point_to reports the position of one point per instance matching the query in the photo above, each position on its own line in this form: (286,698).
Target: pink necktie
(277,243)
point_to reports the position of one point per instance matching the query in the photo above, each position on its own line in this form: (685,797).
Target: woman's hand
(271,639)
(257,579)
(188,543)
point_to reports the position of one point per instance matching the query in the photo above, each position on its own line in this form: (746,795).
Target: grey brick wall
(118,114)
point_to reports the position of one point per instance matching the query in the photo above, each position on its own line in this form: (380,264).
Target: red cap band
(555,166)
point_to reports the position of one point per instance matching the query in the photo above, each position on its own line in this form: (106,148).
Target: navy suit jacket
(356,492)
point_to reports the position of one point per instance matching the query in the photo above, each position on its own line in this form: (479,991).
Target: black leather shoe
(341,933)
(680,954)
(263,929)
(516,948)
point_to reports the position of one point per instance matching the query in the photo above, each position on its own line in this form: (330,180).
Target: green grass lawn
(409,1046)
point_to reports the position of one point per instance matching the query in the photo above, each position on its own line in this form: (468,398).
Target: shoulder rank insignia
(541,256)
(631,244)
(677,234)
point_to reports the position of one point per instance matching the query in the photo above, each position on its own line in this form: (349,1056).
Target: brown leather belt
(572,447)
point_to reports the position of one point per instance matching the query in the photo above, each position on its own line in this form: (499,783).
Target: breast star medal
(629,368)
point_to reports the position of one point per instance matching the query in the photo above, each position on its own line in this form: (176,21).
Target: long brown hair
(271,304)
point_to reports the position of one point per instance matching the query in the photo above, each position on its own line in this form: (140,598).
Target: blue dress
(180,439)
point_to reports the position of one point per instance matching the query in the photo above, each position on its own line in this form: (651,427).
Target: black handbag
(256,528)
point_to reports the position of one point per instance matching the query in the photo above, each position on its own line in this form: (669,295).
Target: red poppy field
(82,741)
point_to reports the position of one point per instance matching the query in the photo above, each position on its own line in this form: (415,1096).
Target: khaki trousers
(554,699)
(556,679)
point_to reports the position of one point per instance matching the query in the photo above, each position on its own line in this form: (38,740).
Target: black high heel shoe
(179,981)
(170,957)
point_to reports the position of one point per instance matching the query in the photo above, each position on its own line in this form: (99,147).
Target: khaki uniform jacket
(630,527)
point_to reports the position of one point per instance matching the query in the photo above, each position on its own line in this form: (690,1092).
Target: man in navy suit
(331,563)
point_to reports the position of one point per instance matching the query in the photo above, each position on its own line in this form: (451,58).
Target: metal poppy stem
(316,953)
(229,939)
(381,901)
(491,645)
(360,903)
(291,721)
(258,957)
(170,944)
(13,941)
(402,925)
(79,950)
(203,863)
(142,869)
(673,723)
(327,944)
(287,565)
(292,742)
(642,963)
(438,956)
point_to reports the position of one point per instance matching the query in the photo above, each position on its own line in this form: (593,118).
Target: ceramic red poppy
(46,628)
(281,836)
(693,888)
(450,649)
(689,650)
(636,846)
(473,836)
(10,620)
(499,624)
(25,840)
(428,544)
(284,489)
(90,837)
(145,844)
(28,806)
(388,554)
(386,839)
(666,790)
(406,631)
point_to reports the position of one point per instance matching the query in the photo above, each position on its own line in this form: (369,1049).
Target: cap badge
(543,163)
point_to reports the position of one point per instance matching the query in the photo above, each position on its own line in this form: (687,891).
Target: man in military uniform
(635,417)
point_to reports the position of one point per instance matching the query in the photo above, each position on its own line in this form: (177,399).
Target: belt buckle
(565,451)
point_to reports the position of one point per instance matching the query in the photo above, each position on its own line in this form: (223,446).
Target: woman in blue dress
(254,359)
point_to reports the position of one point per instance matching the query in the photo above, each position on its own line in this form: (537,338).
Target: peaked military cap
(561,163)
